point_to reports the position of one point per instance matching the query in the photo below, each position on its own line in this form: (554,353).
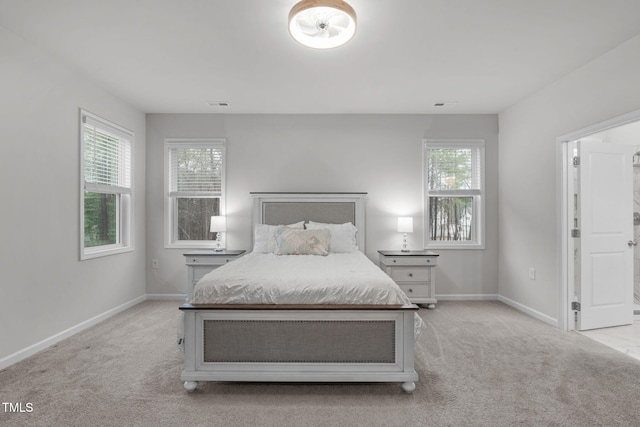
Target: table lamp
(218,226)
(405,225)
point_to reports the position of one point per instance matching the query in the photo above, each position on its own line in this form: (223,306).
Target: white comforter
(341,278)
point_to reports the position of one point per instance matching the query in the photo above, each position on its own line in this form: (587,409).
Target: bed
(268,335)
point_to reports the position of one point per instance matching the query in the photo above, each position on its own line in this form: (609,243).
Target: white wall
(602,89)
(378,154)
(44,288)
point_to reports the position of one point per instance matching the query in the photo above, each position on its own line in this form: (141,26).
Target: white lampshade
(405,224)
(218,223)
(322,24)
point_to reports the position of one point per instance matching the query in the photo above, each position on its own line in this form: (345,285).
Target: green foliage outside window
(100,219)
(450,218)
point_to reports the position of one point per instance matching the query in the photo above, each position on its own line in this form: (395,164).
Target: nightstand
(203,261)
(413,272)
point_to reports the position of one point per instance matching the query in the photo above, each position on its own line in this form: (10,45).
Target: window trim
(479,196)
(125,206)
(170,208)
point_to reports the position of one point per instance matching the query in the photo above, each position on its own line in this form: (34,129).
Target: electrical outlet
(532,273)
(155,263)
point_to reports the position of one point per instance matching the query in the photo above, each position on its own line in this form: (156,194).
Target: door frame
(564,193)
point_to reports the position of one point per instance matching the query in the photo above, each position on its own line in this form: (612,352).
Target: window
(195,188)
(106,190)
(454,194)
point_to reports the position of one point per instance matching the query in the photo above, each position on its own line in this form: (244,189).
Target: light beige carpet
(480,364)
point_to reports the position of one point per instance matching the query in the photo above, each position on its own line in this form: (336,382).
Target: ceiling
(169,56)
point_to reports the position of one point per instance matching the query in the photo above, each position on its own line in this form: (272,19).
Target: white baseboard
(467,297)
(48,342)
(531,312)
(166,297)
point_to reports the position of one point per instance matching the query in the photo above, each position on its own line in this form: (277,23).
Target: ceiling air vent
(445,104)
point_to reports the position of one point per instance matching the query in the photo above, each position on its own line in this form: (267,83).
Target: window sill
(99,253)
(454,247)
(192,244)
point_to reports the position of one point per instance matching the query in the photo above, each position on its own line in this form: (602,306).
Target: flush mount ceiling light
(322,24)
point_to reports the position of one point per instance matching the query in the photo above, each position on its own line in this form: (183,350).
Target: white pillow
(343,236)
(264,237)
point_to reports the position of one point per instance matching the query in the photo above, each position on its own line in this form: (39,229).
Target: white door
(605,211)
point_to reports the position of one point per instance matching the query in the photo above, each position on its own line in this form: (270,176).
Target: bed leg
(409,386)
(192,385)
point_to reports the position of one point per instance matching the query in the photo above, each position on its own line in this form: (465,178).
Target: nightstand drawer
(410,274)
(408,260)
(416,290)
(200,270)
(207,260)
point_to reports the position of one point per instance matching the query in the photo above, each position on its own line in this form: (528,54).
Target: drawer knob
(410,274)
(226,260)
(395,260)
(195,260)
(410,290)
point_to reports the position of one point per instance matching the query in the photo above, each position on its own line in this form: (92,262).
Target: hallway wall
(528,170)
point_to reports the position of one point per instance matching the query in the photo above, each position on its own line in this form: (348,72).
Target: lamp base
(404,243)
(218,247)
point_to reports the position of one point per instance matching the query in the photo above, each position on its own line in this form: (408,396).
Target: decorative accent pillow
(302,242)
(343,236)
(264,237)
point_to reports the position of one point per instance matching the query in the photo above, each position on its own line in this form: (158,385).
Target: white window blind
(107,157)
(195,170)
(453,169)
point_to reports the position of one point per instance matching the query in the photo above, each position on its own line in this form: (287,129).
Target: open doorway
(622,131)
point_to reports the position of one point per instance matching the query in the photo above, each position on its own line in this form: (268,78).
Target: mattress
(338,278)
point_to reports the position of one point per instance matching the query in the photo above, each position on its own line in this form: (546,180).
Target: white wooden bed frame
(389,355)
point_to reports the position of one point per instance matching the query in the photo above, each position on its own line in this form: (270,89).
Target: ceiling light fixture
(322,24)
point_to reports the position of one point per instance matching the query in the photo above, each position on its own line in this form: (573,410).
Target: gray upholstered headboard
(289,208)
